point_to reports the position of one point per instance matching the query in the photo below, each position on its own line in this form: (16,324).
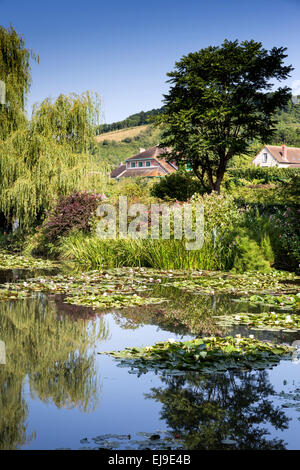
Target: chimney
(284,152)
(141,150)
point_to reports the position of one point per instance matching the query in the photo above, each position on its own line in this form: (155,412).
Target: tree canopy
(15,72)
(70,119)
(221,99)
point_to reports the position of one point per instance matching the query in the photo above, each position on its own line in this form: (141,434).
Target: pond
(57,392)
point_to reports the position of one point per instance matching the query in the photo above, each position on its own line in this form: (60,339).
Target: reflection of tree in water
(13,411)
(52,350)
(205,410)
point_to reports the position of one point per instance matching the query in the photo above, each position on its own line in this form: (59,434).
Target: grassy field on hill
(122,134)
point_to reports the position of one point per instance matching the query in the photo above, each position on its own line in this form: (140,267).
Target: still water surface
(57,392)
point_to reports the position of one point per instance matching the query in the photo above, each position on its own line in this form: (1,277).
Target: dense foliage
(73,212)
(180,186)
(70,120)
(41,162)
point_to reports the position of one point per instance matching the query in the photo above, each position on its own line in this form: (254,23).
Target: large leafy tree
(15,73)
(221,99)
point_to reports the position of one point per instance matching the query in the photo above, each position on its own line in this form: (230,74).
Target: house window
(147,163)
(132,164)
(140,164)
(264,158)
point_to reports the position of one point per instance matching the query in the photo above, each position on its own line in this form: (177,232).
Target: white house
(278,155)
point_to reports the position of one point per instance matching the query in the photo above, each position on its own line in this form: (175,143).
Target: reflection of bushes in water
(194,312)
(205,410)
(75,312)
(52,351)
(135,317)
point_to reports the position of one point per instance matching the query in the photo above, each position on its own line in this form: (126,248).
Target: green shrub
(180,186)
(248,256)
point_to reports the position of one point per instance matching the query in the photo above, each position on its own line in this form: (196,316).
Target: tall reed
(95,253)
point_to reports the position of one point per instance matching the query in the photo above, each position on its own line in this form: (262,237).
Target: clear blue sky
(123,49)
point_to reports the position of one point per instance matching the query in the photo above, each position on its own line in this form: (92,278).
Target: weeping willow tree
(71,120)
(15,73)
(50,158)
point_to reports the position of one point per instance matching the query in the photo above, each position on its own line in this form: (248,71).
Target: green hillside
(138,119)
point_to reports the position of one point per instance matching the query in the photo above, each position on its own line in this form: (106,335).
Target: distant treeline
(137,119)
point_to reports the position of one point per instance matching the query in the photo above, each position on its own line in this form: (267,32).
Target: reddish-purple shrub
(71,212)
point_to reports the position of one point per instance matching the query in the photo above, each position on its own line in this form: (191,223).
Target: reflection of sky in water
(286,377)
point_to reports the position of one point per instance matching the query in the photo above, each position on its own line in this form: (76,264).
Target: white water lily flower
(288,318)
(171,340)
(251,336)
(237,317)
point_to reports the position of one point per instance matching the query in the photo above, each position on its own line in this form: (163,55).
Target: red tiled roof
(152,152)
(166,165)
(292,154)
(117,171)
